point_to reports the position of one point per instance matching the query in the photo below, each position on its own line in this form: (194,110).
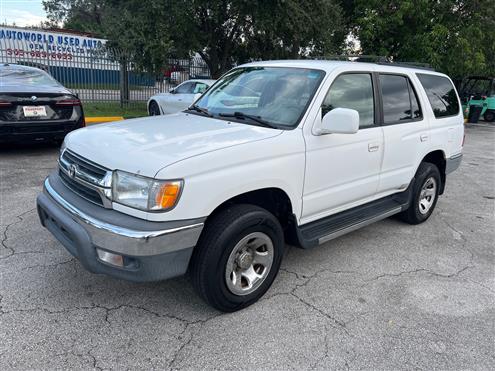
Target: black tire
(219,238)
(154,109)
(426,172)
(489,115)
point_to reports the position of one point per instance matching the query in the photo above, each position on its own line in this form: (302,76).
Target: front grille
(85,178)
(83,191)
(86,166)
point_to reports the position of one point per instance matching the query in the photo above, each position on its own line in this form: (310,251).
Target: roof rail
(378,59)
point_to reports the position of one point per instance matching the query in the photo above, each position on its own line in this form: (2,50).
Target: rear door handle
(373,147)
(423,137)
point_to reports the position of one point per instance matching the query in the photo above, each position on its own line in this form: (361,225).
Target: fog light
(110,258)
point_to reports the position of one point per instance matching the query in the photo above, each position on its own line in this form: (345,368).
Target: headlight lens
(145,193)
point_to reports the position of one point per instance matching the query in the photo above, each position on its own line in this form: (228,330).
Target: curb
(96,120)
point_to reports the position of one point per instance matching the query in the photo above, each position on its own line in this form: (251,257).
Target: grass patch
(129,111)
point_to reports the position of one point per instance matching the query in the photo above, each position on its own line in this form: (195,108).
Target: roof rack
(377,59)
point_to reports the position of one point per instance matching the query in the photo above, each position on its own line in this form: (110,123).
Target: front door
(343,170)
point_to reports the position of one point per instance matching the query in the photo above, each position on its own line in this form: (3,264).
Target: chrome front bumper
(153,250)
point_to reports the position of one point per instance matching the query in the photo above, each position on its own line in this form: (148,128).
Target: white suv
(297,151)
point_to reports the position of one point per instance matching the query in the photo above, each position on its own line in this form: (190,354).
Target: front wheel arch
(153,103)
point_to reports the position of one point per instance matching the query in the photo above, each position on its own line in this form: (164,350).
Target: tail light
(68,102)
(4,103)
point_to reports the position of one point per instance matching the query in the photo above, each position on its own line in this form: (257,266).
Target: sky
(22,12)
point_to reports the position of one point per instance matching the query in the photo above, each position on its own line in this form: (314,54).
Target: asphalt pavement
(387,297)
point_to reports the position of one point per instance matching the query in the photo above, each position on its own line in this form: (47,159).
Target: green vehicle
(479,91)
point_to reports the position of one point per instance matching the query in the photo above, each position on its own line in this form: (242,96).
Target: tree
(456,37)
(223,32)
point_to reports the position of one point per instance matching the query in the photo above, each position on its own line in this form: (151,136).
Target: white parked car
(178,98)
(275,152)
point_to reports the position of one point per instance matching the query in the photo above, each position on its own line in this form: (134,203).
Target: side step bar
(333,226)
(356,226)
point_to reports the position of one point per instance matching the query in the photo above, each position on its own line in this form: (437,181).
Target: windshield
(275,95)
(32,77)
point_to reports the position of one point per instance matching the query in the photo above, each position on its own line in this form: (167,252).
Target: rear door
(447,121)
(405,130)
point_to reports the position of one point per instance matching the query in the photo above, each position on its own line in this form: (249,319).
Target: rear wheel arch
(438,159)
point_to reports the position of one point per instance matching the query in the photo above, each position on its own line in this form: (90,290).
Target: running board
(333,226)
(356,226)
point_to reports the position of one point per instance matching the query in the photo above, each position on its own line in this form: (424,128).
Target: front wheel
(425,191)
(153,109)
(238,257)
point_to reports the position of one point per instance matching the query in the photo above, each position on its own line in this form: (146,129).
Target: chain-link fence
(100,74)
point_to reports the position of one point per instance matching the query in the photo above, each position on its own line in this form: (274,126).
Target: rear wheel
(153,108)
(425,191)
(238,257)
(489,115)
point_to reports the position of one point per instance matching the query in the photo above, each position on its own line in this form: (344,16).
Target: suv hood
(144,146)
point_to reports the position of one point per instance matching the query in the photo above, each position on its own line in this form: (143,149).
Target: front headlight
(145,193)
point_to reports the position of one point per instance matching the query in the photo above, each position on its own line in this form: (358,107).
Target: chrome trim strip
(356,226)
(127,241)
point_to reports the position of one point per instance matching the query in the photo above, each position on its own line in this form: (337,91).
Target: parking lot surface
(390,296)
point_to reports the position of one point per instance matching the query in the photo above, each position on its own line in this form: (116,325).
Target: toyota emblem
(72,170)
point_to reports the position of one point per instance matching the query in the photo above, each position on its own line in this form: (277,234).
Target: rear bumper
(151,251)
(453,163)
(22,131)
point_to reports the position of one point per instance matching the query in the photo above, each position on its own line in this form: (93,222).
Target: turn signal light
(167,195)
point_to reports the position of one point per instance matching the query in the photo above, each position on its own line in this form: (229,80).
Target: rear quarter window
(441,94)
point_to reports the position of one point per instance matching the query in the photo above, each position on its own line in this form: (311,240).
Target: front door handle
(373,147)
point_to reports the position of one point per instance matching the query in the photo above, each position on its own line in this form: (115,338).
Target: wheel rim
(249,263)
(427,195)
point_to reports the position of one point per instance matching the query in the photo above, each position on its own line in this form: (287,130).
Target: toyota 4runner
(285,151)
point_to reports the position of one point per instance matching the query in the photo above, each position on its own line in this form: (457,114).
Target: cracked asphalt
(389,296)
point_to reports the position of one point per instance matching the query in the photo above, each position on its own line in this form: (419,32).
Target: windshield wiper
(242,116)
(196,108)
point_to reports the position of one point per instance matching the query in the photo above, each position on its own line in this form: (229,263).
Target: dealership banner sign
(53,45)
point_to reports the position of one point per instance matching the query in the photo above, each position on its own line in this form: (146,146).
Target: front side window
(185,88)
(354,91)
(278,96)
(399,99)
(441,94)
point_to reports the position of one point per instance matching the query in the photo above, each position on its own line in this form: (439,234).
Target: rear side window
(399,99)
(441,94)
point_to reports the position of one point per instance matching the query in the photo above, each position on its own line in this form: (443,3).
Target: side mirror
(172,91)
(339,121)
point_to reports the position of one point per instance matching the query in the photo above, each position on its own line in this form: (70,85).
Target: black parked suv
(34,106)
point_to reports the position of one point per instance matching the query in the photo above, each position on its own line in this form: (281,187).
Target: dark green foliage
(456,37)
